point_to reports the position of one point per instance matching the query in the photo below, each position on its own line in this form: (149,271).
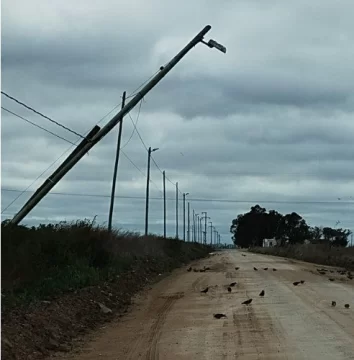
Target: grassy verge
(318,254)
(55,278)
(44,262)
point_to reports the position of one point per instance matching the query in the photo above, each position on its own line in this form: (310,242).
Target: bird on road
(265,269)
(322,272)
(331,279)
(219,316)
(296,283)
(255,269)
(302,281)
(274,269)
(247,302)
(243,254)
(229,289)
(262,293)
(233,284)
(334,303)
(236,268)
(346,306)
(189,269)
(205,290)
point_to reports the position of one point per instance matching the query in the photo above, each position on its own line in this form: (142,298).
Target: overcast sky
(270,122)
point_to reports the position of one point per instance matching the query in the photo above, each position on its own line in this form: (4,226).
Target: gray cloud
(269,122)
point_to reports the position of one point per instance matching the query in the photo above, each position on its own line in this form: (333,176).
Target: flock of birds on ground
(262,293)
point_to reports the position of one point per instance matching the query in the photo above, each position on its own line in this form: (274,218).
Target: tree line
(251,228)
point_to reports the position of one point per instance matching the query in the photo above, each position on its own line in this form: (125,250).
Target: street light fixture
(213,44)
(148,190)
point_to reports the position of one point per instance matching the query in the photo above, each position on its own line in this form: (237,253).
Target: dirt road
(174,320)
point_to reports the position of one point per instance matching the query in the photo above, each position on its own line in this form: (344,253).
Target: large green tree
(251,228)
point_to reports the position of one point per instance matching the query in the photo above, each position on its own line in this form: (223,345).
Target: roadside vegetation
(270,232)
(60,280)
(314,253)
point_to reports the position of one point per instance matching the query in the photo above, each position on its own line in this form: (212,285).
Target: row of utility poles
(196,229)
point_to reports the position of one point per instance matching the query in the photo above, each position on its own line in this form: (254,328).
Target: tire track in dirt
(155,330)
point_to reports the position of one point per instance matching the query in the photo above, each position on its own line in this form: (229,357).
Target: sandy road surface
(175,321)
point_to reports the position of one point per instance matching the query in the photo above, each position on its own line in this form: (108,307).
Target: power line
(67,150)
(193,199)
(44,116)
(134,128)
(38,126)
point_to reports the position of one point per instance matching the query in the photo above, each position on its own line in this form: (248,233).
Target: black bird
(322,272)
(207,268)
(236,268)
(202,270)
(334,303)
(219,316)
(229,289)
(331,279)
(247,302)
(205,290)
(233,284)
(302,281)
(296,283)
(243,254)
(262,293)
(189,269)
(274,269)
(265,269)
(255,269)
(346,306)
(350,277)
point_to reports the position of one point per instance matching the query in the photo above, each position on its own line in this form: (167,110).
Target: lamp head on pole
(213,44)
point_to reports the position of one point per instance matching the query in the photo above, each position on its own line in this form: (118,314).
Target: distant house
(269,242)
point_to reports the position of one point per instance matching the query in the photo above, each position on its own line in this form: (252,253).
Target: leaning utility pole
(110,215)
(164,203)
(70,163)
(176,210)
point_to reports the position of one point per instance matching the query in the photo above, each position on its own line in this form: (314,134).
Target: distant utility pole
(115,171)
(201,230)
(177,210)
(189,224)
(205,226)
(147,190)
(89,142)
(193,226)
(198,228)
(184,215)
(211,232)
(164,203)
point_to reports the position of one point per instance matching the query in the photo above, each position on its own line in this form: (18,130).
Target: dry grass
(318,254)
(42,262)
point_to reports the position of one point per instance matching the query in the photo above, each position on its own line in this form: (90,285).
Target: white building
(269,242)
